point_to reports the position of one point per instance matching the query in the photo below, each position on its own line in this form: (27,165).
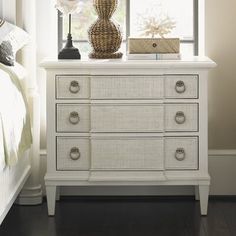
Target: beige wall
(220,46)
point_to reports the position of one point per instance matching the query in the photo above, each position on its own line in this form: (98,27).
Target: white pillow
(17,36)
(5,29)
(12,39)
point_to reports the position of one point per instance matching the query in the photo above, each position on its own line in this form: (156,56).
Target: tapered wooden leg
(203,194)
(197,193)
(58,193)
(51,199)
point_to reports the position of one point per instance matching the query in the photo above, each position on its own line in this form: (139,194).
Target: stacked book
(154,56)
(153,49)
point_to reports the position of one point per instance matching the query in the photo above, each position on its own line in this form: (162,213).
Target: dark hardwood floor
(123,216)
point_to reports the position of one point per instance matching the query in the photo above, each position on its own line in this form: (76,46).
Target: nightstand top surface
(185,62)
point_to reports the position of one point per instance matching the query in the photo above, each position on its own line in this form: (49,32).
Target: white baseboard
(222,168)
(222,153)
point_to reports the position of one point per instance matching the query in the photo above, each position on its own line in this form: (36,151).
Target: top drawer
(127,87)
(72,87)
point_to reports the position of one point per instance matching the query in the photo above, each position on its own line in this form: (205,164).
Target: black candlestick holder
(69,51)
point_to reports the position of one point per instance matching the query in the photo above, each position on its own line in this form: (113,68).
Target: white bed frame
(20,183)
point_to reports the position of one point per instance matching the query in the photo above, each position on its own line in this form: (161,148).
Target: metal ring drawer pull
(74,86)
(74,153)
(180,117)
(180,154)
(180,87)
(154,45)
(74,118)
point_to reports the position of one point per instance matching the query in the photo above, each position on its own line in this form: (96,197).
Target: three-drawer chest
(118,122)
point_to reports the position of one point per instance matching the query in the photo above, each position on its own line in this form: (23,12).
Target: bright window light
(183,12)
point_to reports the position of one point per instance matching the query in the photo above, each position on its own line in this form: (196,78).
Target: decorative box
(153,45)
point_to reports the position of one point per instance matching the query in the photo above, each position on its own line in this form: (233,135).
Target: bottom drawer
(73,153)
(120,153)
(127,153)
(181,153)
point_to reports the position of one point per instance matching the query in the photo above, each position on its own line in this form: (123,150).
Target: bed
(19,175)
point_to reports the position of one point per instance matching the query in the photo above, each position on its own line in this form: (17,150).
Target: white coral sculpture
(69,6)
(153,26)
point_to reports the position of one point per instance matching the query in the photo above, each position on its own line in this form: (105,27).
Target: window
(129,14)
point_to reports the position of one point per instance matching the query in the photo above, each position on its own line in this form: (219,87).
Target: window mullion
(195,27)
(127,22)
(60,31)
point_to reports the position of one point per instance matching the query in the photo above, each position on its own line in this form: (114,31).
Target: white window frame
(197,4)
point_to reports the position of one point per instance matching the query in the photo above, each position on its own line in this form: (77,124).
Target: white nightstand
(117,122)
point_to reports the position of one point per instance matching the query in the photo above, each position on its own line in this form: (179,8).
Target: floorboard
(123,216)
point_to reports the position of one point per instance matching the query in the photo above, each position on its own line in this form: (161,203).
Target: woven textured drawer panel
(72,87)
(127,87)
(73,118)
(181,86)
(127,153)
(127,118)
(181,117)
(181,153)
(69,148)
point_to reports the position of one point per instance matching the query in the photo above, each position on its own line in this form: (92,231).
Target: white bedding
(15,128)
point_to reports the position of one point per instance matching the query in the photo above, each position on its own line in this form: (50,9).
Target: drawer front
(181,117)
(178,86)
(181,153)
(127,87)
(72,87)
(127,118)
(73,118)
(73,153)
(127,153)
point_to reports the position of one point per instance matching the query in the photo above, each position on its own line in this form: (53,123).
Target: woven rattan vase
(104,35)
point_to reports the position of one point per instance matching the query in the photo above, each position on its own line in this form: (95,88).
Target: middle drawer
(127,118)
